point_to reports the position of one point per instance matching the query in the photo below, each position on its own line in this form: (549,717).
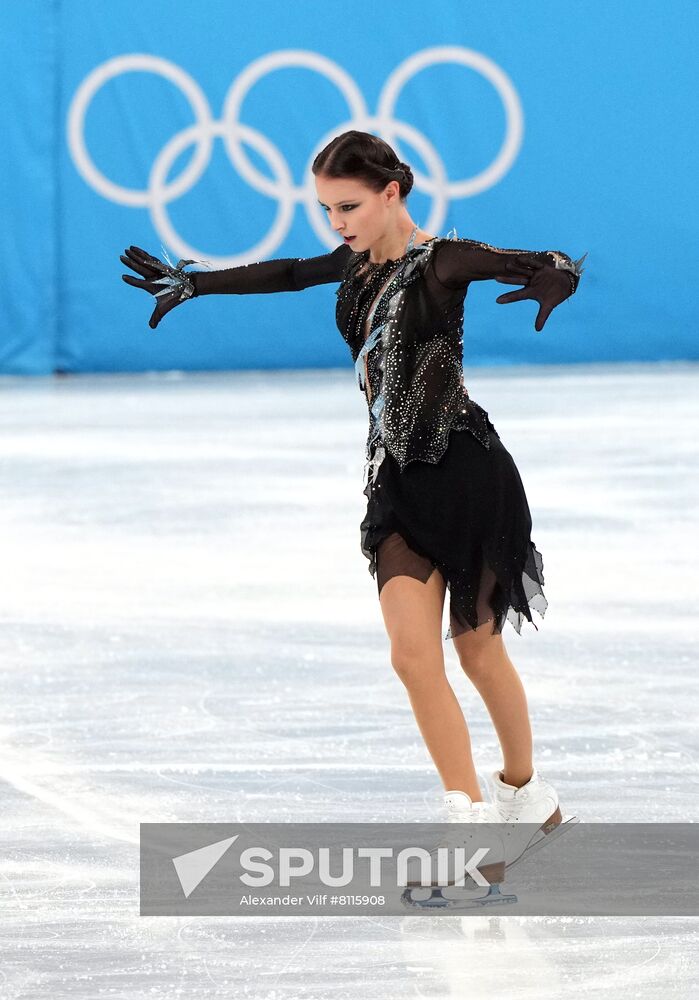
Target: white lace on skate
(460,809)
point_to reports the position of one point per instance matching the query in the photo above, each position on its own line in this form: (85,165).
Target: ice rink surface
(190,633)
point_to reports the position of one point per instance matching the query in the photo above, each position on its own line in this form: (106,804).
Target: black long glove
(169,283)
(548,286)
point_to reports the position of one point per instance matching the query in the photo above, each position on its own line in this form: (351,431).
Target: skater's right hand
(168,283)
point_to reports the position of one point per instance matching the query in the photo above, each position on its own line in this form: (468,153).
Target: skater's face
(355,210)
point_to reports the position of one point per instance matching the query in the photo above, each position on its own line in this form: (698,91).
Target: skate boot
(532,815)
(460,809)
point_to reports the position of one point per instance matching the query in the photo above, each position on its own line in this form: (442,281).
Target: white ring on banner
(514,115)
(240,88)
(81,102)
(161,220)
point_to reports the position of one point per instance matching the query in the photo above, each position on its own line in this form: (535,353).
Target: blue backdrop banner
(192,128)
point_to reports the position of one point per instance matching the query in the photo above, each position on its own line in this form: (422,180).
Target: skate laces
(479,812)
(509,813)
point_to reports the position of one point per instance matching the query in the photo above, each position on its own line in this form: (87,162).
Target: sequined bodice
(372,287)
(373,316)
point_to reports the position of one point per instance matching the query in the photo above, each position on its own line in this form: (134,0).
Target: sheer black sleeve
(459,261)
(285,274)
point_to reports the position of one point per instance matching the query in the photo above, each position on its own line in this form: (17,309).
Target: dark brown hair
(365,157)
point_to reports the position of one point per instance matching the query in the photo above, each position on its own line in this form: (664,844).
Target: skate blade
(461,900)
(543,839)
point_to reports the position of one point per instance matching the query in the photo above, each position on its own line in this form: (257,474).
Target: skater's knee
(479,651)
(417,663)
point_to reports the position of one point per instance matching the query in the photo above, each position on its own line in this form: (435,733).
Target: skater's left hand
(548,285)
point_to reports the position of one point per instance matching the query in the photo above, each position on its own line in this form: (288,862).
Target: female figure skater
(446,507)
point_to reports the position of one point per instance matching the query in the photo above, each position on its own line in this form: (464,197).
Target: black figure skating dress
(442,490)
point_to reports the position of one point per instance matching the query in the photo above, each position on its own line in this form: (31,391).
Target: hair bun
(407,180)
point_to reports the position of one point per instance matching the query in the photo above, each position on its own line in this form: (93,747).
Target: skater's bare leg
(484,659)
(412,612)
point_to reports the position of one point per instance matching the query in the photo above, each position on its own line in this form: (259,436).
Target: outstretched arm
(285,274)
(170,284)
(550,276)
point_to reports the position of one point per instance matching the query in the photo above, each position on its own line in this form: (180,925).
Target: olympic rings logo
(235,134)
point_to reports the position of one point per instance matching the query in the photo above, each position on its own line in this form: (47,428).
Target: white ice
(190,633)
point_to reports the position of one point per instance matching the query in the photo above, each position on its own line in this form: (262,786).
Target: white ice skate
(461,809)
(531,814)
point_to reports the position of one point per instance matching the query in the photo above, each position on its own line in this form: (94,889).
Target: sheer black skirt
(468,516)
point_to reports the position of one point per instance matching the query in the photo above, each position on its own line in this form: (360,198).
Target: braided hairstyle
(367,158)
